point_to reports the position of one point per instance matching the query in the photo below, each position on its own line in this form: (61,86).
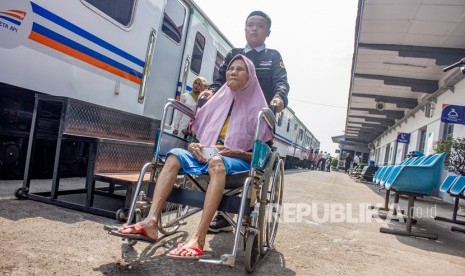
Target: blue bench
(386,171)
(384,174)
(395,170)
(455,187)
(387,180)
(415,181)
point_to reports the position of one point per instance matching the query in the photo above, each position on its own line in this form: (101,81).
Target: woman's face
(237,75)
(197,86)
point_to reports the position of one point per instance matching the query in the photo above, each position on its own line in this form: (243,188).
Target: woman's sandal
(141,236)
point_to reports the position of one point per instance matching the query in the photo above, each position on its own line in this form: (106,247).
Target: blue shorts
(190,165)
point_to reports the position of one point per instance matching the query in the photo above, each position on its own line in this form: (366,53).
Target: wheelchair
(256,195)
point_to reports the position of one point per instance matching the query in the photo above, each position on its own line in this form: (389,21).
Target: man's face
(256,30)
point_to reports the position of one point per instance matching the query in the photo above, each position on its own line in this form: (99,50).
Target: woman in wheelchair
(226,122)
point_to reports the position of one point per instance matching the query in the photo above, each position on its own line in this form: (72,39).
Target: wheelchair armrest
(181,108)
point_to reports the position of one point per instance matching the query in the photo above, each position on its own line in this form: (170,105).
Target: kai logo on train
(15,23)
(12,19)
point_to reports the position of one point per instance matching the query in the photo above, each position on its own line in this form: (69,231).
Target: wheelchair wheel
(275,204)
(123,213)
(252,252)
(270,206)
(171,211)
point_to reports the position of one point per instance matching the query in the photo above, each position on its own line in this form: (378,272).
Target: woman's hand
(229,152)
(196,150)
(235,153)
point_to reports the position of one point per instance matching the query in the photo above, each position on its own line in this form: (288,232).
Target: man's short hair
(261,14)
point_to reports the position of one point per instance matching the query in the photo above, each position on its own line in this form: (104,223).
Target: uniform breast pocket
(263,73)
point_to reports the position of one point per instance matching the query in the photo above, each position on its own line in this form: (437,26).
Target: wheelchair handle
(274,108)
(203,100)
(180,107)
(267,115)
(172,103)
(452,66)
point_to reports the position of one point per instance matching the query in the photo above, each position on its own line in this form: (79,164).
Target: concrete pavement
(326,229)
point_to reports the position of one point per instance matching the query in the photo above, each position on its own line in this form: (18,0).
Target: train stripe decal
(58,42)
(62,44)
(287,142)
(83,33)
(76,54)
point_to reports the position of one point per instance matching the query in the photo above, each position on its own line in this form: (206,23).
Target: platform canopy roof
(401,47)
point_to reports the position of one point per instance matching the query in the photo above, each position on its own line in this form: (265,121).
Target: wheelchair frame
(266,178)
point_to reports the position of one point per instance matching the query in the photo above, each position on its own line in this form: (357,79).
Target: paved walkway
(326,230)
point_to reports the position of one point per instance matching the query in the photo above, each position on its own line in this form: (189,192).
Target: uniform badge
(265,63)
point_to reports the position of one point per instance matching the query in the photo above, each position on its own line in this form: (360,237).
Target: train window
(197,53)
(219,60)
(173,20)
(121,10)
(288,124)
(280,118)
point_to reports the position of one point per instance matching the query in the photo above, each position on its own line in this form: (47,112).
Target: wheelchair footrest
(229,204)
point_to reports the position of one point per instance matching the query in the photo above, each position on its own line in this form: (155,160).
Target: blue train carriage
(123,58)
(293,140)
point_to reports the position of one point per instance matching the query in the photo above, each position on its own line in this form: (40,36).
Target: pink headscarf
(248,102)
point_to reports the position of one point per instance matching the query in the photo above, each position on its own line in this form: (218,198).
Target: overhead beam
(364,130)
(416,85)
(357,140)
(370,126)
(398,101)
(385,122)
(442,56)
(395,114)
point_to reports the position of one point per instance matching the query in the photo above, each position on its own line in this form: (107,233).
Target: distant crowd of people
(352,162)
(320,160)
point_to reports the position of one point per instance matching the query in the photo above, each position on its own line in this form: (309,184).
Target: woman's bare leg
(215,189)
(163,189)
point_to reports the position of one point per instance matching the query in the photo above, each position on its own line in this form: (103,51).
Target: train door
(204,52)
(164,58)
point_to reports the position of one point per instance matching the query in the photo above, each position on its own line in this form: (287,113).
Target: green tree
(455,148)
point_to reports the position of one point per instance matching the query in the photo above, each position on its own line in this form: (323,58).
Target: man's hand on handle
(279,103)
(206,93)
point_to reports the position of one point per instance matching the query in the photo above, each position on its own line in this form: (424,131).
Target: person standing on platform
(181,121)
